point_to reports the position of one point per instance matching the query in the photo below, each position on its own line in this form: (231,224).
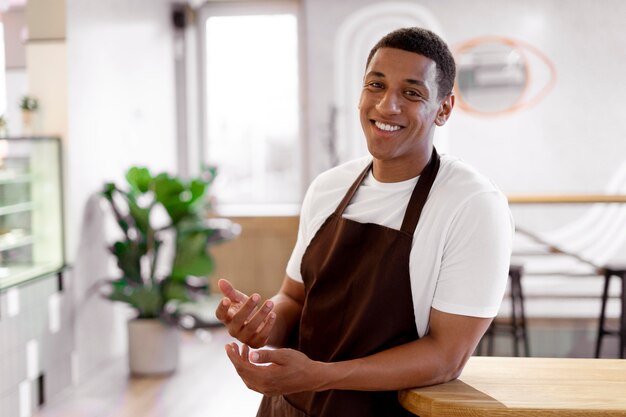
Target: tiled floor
(206,384)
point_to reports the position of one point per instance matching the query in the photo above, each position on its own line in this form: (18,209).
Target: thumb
(268,356)
(229,291)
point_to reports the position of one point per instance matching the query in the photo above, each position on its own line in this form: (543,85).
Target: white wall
(121,94)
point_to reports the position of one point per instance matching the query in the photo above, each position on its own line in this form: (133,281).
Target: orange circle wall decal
(498,75)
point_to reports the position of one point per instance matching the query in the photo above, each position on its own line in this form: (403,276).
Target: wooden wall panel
(256,260)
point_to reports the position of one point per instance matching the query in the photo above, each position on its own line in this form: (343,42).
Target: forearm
(288,308)
(287,312)
(418,363)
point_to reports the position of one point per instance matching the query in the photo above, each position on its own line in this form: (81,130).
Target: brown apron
(358,302)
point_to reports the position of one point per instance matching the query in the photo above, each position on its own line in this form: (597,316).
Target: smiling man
(401,260)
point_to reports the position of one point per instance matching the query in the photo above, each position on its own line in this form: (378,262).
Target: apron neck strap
(418,197)
(348,197)
(420,194)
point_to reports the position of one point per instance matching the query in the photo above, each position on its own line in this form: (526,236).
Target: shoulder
(460,190)
(337,179)
(327,189)
(455,173)
(458,182)
(342,174)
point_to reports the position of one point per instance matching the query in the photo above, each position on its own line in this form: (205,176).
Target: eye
(375,85)
(413,95)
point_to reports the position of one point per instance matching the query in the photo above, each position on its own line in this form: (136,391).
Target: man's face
(399,107)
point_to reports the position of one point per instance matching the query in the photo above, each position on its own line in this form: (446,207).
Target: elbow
(452,369)
(455,372)
(448,375)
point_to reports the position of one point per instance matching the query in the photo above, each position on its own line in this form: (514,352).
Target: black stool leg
(514,319)
(516,279)
(601,329)
(517,326)
(490,340)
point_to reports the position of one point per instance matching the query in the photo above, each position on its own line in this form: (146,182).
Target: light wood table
(492,386)
(565,198)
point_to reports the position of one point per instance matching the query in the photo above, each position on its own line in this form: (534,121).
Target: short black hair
(426,43)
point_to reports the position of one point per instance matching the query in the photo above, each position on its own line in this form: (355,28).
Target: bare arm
(288,307)
(437,357)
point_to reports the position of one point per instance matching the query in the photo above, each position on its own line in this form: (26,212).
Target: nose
(389,103)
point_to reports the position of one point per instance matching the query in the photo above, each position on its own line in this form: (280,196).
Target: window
(252,109)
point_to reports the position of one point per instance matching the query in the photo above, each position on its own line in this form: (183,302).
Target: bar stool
(517,326)
(611,271)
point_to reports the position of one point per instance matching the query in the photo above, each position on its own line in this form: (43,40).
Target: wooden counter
(565,198)
(498,387)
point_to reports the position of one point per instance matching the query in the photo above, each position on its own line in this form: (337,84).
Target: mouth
(386,127)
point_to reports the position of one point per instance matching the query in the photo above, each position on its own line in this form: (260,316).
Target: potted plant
(28,105)
(163,257)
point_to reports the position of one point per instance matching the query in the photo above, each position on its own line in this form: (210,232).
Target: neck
(401,169)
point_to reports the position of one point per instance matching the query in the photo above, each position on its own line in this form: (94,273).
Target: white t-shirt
(462,244)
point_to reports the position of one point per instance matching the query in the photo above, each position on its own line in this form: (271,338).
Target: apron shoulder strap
(420,194)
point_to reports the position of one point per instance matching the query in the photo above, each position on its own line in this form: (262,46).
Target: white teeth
(386,127)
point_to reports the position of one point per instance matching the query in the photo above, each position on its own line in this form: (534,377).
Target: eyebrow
(408,80)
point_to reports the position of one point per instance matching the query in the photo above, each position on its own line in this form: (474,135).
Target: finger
(264,332)
(253,324)
(245,352)
(232,355)
(221,312)
(277,356)
(240,318)
(229,291)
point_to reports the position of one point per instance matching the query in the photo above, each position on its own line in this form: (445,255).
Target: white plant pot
(153,347)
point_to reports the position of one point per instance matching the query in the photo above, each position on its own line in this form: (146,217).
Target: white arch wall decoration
(355,37)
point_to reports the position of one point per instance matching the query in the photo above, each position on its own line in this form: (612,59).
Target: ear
(445,109)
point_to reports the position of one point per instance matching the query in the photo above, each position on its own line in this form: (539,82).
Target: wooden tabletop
(492,386)
(565,198)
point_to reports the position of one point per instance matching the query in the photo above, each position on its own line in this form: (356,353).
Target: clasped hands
(270,372)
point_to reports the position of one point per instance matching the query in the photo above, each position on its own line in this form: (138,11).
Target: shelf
(7,243)
(15,178)
(31,210)
(18,274)
(16,208)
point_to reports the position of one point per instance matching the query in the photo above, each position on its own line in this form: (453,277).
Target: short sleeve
(476,255)
(293,266)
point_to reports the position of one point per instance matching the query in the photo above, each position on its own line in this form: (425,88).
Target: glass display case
(31,220)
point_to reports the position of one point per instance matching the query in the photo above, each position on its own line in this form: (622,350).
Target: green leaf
(197,189)
(175,291)
(139,179)
(191,257)
(140,215)
(180,200)
(107,193)
(120,291)
(128,254)
(108,189)
(167,191)
(147,300)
